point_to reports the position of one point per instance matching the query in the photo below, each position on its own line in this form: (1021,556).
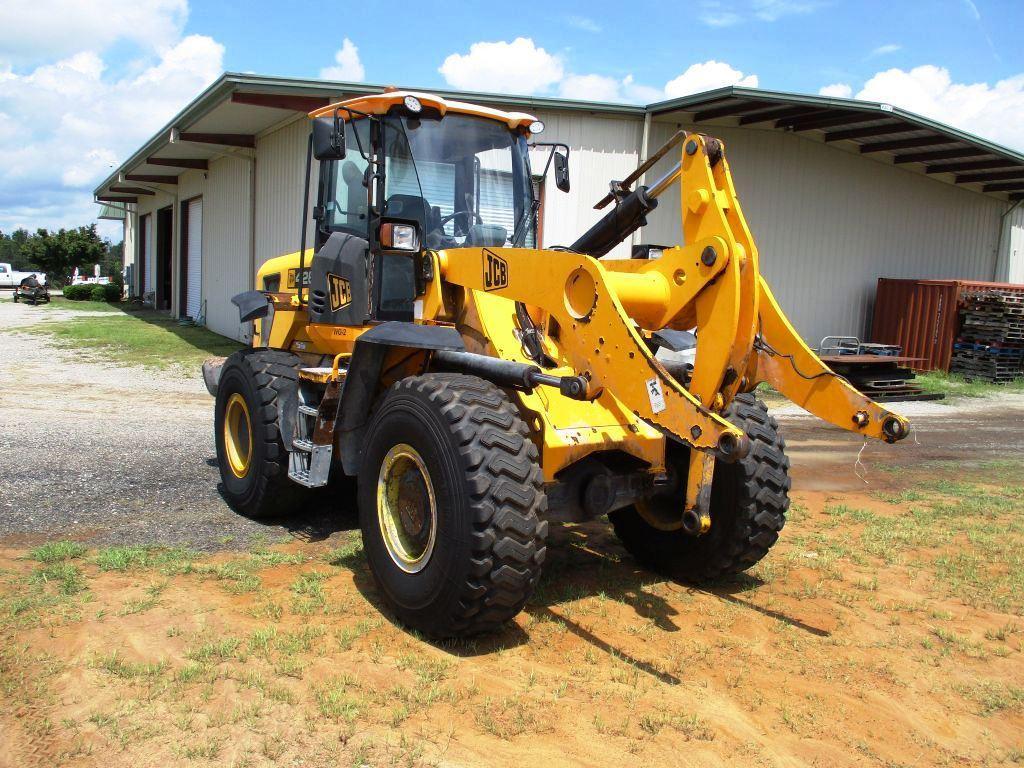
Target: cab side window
(345,205)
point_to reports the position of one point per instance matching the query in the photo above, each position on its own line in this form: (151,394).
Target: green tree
(11,247)
(58,253)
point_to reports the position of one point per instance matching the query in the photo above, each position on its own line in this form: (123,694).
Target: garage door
(148,260)
(194,281)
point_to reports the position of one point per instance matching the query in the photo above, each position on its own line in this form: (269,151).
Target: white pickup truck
(11,279)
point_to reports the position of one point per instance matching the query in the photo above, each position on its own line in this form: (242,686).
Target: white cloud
(591,88)
(886,49)
(771,10)
(584,23)
(518,67)
(995,112)
(67,124)
(39,30)
(603,88)
(349,67)
(707,76)
(725,13)
(720,18)
(838,90)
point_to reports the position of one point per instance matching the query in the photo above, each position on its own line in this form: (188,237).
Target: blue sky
(791,45)
(82,84)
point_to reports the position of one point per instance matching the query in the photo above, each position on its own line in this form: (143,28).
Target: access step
(318,375)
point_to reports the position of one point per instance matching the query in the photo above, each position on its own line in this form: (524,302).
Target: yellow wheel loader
(477,386)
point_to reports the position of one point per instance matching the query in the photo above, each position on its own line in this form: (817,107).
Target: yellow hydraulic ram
(605,313)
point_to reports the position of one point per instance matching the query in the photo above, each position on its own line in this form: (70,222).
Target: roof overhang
(112,211)
(230,114)
(228,117)
(880,131)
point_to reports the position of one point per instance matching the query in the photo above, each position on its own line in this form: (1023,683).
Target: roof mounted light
(413,104)
(536,127)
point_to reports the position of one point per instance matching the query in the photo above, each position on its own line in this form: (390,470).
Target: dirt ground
(885,628)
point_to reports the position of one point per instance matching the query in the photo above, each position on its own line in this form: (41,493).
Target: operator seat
(353,178)
(416,208)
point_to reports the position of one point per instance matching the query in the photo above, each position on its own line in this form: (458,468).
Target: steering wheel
(445,219)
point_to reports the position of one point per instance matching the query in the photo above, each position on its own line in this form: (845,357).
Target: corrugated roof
(872,127)
(112,212)
(237,101)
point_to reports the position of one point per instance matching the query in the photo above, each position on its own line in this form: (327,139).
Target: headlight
(413,104)
(399,237)
(536,127)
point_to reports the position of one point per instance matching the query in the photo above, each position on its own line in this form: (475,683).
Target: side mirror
(328,138)
(561,171)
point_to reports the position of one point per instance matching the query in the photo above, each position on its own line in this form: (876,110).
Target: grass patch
(967,535)
(66,578)
(309,593)
(146,338)
(349,555)
(953,385)
(57,552)
(139,558)
(335,702)
(115,664)
(993,696)
(239,575)
(214,651)
(58,301)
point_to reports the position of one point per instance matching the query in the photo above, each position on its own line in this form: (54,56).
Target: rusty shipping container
(923,316)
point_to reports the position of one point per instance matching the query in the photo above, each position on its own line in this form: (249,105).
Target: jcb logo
(341,292)
(495,271)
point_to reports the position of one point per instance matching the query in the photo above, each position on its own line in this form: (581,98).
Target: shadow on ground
(585,561)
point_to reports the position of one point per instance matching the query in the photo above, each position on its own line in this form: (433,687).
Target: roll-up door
(194,279)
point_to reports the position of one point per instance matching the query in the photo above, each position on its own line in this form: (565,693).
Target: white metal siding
(829,223)
(601,149)
(1011,251)
(130,236)
(227,218)
(194,284)
(147,257)
(280,169)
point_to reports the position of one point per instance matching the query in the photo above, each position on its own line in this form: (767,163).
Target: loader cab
(393,185)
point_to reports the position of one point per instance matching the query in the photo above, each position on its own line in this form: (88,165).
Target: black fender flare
(362,381)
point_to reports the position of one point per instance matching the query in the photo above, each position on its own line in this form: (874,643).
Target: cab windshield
(465,180)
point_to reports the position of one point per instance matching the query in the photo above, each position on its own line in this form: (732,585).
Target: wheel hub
(238,435)
(406,508)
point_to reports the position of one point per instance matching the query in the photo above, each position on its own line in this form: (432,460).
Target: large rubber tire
(264,378)
(484,471)
(749,499)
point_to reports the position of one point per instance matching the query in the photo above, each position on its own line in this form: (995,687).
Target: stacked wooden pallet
(883,378)
(991,342)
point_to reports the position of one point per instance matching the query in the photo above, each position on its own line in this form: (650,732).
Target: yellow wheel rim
(658,517)
(238,435)
(406,508)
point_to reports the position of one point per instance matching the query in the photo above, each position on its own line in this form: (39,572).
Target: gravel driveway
(111,455)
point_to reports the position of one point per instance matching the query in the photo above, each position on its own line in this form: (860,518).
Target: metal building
(838,192)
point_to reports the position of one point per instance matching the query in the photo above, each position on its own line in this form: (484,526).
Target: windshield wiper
(520,231)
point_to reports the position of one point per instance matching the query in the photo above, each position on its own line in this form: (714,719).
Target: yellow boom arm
(600,315)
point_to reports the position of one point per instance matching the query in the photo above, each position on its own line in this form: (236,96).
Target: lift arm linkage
(606,311)
(744,337)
